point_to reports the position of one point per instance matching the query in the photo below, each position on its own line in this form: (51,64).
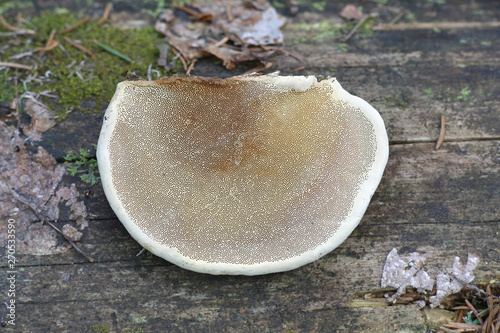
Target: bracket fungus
(248,175)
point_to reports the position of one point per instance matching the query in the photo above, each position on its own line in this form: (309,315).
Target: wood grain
(443,203)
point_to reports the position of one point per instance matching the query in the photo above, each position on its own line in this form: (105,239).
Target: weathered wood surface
(442,203)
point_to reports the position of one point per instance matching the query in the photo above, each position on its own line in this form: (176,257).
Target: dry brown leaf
(244,23)
(42,119)
(36,181)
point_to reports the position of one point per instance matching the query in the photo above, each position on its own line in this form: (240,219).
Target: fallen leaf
(36,181)
(241,23)
(42,119)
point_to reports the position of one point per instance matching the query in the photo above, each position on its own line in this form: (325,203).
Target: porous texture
(240,176)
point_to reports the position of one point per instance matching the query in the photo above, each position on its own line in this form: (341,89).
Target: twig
(356,27)
(79,46)
(229,11)
(441,133)
(294,56)
(19,18)
(17,103)
(439,25)
(149,72)
(9,34)
(282,50)
(43,220)
(447,330)
(463,326)
(51,43)
(105,15)
(262,66)
(397,18)
(488,324)
(181,58)
(15,65)
(191,65)
(17,30)
(221,42)
(21,55)
(187,10)
(71,242)
(299,68)
(76,25)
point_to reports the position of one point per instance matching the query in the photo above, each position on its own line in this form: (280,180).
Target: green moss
(319,5)
(14,4)
(83,164)
(395,100)
(100,329)
(8,90)
(465,95)
(83,82)
(326,30)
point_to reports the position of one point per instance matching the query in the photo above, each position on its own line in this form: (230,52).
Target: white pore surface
(249,175)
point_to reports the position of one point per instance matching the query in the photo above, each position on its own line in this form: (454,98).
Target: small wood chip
(105,15)
(441,133)
(80,47)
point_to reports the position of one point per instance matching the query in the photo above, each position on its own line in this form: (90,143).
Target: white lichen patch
(409,271)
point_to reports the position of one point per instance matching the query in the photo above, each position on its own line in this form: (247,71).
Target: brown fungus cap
(247,175)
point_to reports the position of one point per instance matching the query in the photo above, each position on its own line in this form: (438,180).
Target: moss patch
(81,81)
